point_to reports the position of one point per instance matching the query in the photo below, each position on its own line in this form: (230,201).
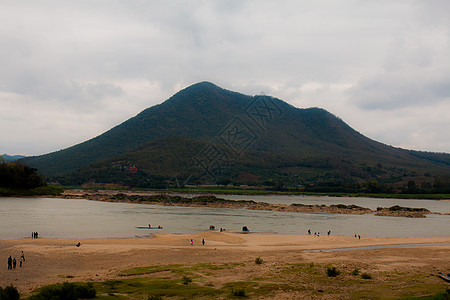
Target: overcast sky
(70,70)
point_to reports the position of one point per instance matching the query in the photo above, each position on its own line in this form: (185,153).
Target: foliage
(9,293)
(366,276)
(258,260)
(238,293)
(332,272)
(186,280)
(65,291)
(355,272)
(19,176)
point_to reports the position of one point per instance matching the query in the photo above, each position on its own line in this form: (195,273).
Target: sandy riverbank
(57,260)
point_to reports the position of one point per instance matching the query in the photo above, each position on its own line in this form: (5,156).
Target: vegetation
(19,179)
(258,260)
(355,272)
(19,176)
(238,293)
(9,293)
(332,272)
(186,280)
(292,280)
(65,291)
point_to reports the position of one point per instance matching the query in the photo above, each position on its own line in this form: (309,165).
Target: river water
(79,218)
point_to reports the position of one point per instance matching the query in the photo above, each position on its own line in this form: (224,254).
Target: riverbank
(228,257)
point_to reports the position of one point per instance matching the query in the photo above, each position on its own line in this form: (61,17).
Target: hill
(7,157)
(205,133)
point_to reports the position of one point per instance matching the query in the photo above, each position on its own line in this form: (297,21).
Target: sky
(71,70)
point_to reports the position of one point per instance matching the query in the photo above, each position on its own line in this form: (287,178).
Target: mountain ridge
(252,126)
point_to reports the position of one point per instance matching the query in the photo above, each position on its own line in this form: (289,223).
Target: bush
(186,280)
(9,293)
(333,272)
(154,298)
(366,276)
(258,260)
(65,291)
(238,293)
(355,272)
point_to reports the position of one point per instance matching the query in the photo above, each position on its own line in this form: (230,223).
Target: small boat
(146,227)
(445,277)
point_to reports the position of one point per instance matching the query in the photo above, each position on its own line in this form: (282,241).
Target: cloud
(85,66)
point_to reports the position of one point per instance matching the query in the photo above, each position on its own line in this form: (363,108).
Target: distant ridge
(263,138)
(7,157)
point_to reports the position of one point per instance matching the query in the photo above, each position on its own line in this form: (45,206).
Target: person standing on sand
(9,262)
(22,256)
(203,242)
(192,242)
(14,262)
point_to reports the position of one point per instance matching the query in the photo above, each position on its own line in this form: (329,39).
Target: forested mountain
(206,134)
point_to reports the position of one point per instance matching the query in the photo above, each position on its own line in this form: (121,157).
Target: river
(79,218)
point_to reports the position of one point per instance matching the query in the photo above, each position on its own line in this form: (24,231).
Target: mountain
(205,133)
(7,157)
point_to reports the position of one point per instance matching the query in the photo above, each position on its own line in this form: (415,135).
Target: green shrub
(65,291)
(238,293)
(332,272)
(9,293)
(366,276)
(355,272)
(186,280)
(258,260)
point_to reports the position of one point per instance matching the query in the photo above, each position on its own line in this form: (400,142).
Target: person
(149,226)
(14,262)
(359,237)
(20,262)
(329,231)
(309,231)
(78,245)
(203,242)
(22,256)
(192,242)
(9,262)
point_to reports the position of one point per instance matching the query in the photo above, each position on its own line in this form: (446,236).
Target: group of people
(12,262)
(34,235)
(192,242)
(318,233)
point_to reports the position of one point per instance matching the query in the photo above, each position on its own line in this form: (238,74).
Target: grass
(300,280)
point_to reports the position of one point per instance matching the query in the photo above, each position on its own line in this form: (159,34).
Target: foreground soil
(290,268)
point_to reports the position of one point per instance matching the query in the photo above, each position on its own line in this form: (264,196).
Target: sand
(50,261)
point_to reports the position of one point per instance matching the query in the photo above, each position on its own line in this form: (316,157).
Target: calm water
(77,218)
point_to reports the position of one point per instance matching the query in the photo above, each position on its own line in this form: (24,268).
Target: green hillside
(204,134)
